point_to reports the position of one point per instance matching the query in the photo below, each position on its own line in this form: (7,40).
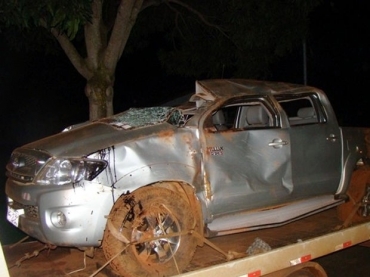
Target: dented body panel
(244,149)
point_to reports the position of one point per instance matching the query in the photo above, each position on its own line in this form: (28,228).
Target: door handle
(278,143)
(332,138)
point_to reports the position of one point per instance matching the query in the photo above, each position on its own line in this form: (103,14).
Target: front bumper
(60,215)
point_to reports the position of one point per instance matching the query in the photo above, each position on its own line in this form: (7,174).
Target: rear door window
(302,109)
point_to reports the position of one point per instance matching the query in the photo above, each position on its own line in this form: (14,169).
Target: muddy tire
(148,213)
(356,192)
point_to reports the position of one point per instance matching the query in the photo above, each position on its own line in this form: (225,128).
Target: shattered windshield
(138,117)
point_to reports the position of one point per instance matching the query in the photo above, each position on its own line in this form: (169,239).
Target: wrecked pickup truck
(147,184)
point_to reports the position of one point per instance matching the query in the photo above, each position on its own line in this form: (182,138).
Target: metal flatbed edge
(288,256)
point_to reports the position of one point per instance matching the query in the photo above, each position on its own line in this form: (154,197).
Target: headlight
(70,171)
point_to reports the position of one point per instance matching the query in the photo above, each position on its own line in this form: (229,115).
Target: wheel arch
(159,175)
(349,166)
(156,173)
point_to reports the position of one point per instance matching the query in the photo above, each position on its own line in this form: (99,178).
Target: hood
(91,137)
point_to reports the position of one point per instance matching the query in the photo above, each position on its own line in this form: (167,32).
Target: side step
(274,217)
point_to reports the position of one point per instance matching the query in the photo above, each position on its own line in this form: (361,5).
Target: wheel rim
(157,221)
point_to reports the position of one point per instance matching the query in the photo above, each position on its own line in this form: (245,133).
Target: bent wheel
(152,219)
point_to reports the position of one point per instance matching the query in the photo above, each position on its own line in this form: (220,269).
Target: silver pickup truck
(147,184)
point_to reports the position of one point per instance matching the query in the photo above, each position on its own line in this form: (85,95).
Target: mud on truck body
(239,155)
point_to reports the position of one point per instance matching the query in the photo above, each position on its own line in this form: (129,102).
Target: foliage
(67,16)
(215,38)
(26,24)
(211,38)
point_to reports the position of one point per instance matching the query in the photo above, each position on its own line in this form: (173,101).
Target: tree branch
(72,54)
(149,3)
(198,14)
(126,17)
(93,36)
(206,22)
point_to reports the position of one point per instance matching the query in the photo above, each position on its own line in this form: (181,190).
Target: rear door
(315,145)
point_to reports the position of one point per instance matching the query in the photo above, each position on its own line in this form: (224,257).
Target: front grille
(29,210)
(24,164)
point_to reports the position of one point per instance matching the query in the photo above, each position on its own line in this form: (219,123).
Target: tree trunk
(99,91)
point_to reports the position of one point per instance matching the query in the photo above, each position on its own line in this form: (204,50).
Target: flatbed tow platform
(284,247)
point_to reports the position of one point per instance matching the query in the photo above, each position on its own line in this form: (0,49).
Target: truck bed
(62,261)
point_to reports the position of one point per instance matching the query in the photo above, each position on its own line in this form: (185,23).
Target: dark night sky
(41,95)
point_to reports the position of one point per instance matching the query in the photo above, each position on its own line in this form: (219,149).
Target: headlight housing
(69,171)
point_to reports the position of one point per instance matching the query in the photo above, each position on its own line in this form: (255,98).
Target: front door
(247,158)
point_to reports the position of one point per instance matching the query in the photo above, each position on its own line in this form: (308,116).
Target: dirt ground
(67,261)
